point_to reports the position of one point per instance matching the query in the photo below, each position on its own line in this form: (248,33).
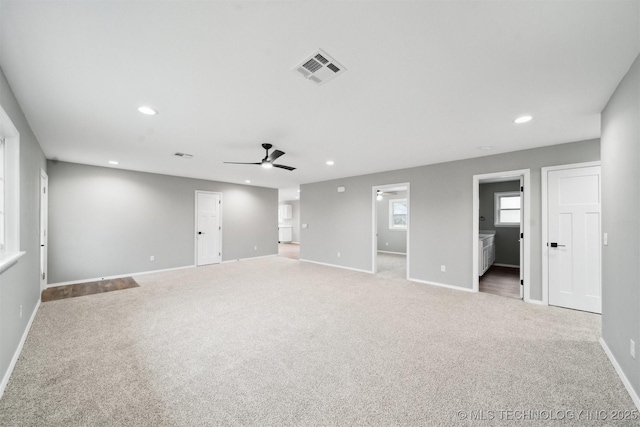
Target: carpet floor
(392,266)
(275,342)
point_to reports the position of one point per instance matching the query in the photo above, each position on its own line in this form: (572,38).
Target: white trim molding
(7,260)
(118,276)
(374,224)
(16,354)
(243,259)
(632,393)
(525,174)
(11,250)
(336,266)
(441,285)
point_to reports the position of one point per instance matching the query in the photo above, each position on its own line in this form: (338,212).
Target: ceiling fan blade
(274,155)
(289,168)
(240,163)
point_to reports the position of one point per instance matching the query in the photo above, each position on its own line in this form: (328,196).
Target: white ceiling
(426,82)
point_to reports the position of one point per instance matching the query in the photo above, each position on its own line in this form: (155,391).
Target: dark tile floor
(503,281)
(89,288)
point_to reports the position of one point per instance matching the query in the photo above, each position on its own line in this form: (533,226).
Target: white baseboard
(442,285)
(16,354)
(535,301)
(394,253)
(337,266)
(623,377)
(505,265)
(245,259)
(95,279)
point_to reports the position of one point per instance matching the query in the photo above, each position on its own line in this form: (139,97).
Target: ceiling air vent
(319,67)
(184,155)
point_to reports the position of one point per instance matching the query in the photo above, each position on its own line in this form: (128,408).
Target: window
(2,202)
(9,193)
(398,214)
(507,212)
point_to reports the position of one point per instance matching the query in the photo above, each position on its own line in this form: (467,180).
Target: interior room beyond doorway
(392,223)
(499,238)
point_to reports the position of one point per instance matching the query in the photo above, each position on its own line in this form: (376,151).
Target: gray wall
(295,219)
(20,284)
(440,212)
(506,240)
(390,240)
(108,222)
(620,219)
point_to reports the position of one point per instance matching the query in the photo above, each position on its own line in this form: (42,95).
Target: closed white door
(208,229)
(44,221)
(574,238)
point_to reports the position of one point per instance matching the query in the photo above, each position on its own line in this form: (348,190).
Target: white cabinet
(285,212)
(285,234)
(486,252)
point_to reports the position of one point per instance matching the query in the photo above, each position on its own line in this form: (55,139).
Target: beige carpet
(392,266)
(275,342)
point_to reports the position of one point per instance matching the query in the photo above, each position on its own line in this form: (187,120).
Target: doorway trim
(195,224)
(525,174)
(544,172)
(44,229)
(374,225)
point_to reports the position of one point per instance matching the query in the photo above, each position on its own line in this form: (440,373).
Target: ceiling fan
(267,162)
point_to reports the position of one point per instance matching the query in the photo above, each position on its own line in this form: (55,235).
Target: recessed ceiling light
(248,181)
(113,162)
(298,191)
(486,147)
(523,119)
(147,110)
(330,162)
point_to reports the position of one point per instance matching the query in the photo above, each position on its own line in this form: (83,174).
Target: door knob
(555,245)
(200,232)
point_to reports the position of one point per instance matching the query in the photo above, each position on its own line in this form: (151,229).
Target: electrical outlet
(255,248)
(387,243)
(605,239)
(21,312)
(338,254)
(632,348)
(152,258)
(443,268)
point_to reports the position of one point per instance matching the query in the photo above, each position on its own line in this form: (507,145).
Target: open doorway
(499,228)
(391,231)
(289,223)
(500,238)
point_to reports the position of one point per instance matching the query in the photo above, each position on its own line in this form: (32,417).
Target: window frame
(10,253)
(496,213)
(2,196)
(393,226)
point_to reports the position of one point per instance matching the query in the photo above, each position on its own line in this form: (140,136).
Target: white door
(44,221)
(574,238)
(208,229)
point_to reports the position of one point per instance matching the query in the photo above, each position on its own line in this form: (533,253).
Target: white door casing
(573,238)
(44,224)
(374,220)
(208,233)
(520,238)
(525,245)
